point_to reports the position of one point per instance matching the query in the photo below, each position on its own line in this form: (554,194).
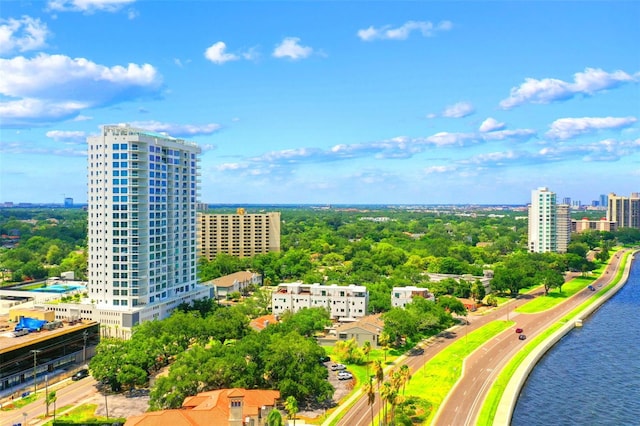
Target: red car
(519,330)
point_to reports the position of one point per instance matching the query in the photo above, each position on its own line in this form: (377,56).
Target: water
(60,288)
(592,375)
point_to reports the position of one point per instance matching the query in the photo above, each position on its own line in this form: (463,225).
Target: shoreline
(512,391)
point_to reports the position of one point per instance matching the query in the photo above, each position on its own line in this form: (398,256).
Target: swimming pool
(60,288)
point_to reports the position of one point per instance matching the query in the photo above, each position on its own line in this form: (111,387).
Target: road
(462,405)
(68,393)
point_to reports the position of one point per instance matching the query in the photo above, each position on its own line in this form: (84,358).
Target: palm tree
(405,372)
(291,405)
(366,349)
(370,391)
(383,340)
(275,418)
(378,372)
(385,393)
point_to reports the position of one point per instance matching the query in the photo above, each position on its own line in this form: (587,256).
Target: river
(592,375)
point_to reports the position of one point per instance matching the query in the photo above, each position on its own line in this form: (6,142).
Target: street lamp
(35,353)
(84,347)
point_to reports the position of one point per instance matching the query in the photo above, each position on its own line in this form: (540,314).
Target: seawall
(514,386)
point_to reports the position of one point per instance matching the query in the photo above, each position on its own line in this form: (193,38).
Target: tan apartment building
(625,211)
(586,224)
(241,234)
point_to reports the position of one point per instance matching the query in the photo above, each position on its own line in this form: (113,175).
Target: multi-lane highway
(462,405)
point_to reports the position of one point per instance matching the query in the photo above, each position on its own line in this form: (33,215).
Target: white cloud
(67,136)
(567,128)
(548,90)
(216,54)
(490,125)
(439,169)
(55,87)
(178,130)
(22,34)
(459,110)
(88,6)
(291,48)
(427,29)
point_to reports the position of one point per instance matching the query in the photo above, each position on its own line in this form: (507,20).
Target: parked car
(519,331)
(324,359)
(336,367)
(522,337)
(80,374)
(344,375)
(417,351)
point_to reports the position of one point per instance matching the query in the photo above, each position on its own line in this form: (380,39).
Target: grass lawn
(84,413)
(438,376)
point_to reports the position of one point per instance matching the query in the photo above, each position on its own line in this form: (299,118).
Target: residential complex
(549,223)
(344,303)
(585,224)
(401,296)
(142,195)
(241,234)
(625,211)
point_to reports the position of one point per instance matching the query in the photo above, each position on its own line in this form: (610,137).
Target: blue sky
(330,102)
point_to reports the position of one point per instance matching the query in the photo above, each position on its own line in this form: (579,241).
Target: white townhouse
(400,296)
(344,303)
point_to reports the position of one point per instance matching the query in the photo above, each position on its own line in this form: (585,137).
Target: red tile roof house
(260,323)
(222,407)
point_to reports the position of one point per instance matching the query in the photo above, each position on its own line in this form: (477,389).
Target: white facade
(542,221)
(142,195)
(343,302)
(401,296)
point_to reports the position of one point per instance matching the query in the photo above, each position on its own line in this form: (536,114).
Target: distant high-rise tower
(549,223)
(142,195)
(603,200)
(625,211)
(563,227)
(566,200)
(68,202)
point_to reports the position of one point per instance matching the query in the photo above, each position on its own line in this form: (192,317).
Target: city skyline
(329,102)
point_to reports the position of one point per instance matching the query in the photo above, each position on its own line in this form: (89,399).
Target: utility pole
(35,353)
(46,393)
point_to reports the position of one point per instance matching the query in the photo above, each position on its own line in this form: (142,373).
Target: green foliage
(347,351)
(420,318)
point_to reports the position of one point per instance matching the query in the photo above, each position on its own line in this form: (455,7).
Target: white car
(336,367)
(344,375)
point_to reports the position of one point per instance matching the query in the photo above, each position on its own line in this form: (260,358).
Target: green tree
(291,405)
(50,398)
(275,418)
(550,278)
(452,304)
(370,391)
(478,292)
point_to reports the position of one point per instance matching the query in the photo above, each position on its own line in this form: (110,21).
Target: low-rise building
(232,407)
(344,303)
(236,282)
(367,329)
(585,224)
(401,296)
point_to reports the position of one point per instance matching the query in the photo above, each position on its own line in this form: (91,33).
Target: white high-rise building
(542,221)
(549,223)
(142,195)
